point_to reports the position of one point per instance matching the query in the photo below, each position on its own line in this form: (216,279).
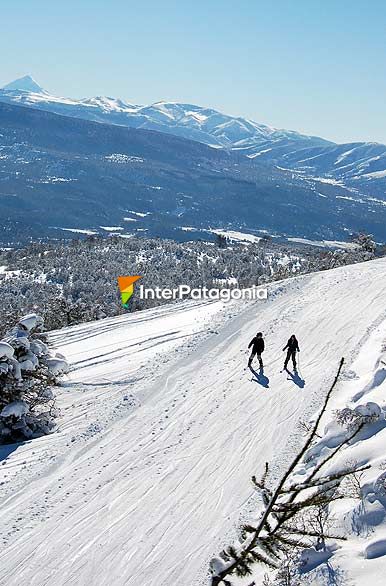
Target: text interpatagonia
(187,292)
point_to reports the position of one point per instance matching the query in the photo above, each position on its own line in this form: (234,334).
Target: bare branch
(282,512)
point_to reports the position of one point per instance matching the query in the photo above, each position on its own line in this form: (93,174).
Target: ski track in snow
(162,427)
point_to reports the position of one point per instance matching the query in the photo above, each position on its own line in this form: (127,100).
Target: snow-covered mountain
(358,164)
(162,427)
(60,172)
(25,84)
(193,122)
(217,171)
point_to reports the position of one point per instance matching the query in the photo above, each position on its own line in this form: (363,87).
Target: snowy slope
(362,558)
(162,427)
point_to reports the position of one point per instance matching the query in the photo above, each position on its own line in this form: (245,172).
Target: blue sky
(313,66)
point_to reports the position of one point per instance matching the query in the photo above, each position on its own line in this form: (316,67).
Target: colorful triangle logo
(126,287)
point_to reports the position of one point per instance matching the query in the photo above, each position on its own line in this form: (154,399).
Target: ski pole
(299,369)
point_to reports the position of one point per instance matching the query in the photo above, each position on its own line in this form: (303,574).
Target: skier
(258,346)
(292,347)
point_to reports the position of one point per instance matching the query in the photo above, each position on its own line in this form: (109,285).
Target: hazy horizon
(312,68)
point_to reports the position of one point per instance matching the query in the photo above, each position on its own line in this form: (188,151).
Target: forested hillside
(76,281)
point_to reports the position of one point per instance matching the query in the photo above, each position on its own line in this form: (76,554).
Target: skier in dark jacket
(292,347)
(257,344)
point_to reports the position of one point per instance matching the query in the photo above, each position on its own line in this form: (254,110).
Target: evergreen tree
(28,371)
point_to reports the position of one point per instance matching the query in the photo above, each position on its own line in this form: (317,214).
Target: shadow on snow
(260,377)
(294,376)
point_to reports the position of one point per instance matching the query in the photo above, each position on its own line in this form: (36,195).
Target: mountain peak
(25,84)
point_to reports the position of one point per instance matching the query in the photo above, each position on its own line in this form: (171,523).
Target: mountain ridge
(60,173)
(308,156)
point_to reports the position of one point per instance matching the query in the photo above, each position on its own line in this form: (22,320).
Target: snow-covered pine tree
(28,370)
(365,242)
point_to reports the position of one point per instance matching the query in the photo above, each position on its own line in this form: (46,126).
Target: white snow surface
(375,174)
(80,231)
(362,558)
(6,351)
(161,428)
(16,408)
(30,321)
(236,236)
(325,243)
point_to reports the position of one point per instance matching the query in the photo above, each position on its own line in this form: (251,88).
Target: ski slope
(162,426)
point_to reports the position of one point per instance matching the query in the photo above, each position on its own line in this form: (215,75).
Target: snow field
(162,427)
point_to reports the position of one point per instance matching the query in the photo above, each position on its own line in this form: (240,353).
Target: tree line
(73,282)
